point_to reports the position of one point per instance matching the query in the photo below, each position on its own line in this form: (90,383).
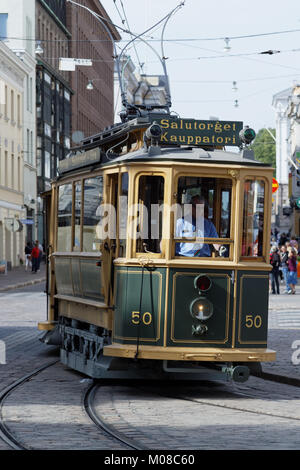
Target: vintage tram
(159,252)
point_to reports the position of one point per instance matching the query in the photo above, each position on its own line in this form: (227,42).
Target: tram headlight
(202,283)
(154,132)
(247,135)
(201,309)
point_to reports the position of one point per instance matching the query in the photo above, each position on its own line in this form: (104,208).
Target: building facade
(280,103)
(12,210)
(20,38)
(287,108)
(92,109)
(53,97)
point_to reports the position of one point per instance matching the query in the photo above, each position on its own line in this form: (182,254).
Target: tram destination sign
(89,157)
(198,133)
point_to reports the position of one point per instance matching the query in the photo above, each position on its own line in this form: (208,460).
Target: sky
(201,73)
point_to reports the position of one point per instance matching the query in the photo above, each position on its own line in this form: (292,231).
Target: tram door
(109,251)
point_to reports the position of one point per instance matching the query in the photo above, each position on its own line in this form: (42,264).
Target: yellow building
(12,233)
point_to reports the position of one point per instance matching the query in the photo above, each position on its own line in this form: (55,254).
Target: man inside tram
(195,225)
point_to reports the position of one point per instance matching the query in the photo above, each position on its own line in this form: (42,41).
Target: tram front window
(203,212)
(253,218)
(149,224)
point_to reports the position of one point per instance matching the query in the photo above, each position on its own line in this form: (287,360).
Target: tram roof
(189,154)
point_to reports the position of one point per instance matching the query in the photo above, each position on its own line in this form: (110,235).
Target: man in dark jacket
(275,262)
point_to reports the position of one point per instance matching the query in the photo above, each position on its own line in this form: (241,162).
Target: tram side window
(64,218)
(123,214)
(253,218)
(77,214)
(92,217)
(149,225)
(203,211)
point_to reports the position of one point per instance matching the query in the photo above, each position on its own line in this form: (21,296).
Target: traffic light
(247,135)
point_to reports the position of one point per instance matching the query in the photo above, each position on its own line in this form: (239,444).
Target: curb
(22,284)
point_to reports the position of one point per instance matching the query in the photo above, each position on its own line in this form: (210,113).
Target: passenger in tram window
(188,228)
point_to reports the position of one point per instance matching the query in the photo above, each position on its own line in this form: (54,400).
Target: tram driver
(189,227)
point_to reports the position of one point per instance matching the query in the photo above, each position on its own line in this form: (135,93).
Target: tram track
(13,441)
(129,438)
(103,425)
(5,434)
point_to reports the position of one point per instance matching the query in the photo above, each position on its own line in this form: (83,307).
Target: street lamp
(38,48)
(227,47)
(90,85)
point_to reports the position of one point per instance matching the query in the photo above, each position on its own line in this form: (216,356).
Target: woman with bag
(292,275)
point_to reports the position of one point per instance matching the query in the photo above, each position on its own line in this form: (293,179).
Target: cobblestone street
(47,412)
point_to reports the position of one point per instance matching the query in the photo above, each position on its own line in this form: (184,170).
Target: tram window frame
(64,248)
(76,237)
(139,249)
(222,183)
(83,235)
(122,216)
(262,255)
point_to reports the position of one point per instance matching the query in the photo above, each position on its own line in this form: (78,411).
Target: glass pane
(149,226)
(47,165)
(253,218)
(225,213)
(93,192)
(64,229)
(77,213)
(123,208)
(204,211)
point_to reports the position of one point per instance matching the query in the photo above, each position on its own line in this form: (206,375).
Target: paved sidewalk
(18,277)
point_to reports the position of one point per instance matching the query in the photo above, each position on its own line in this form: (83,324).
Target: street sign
(27,221)
(298,202)
(275,185)
(199,133)
(69,64)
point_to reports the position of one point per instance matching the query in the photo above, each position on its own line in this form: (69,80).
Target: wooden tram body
(121,300)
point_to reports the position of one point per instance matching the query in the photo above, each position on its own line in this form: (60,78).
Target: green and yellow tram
(159,252)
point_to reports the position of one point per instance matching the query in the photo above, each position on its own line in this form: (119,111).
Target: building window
(47,129)
(3,25)
(29,35)
(67,95)
(19,174)
(5,102)
(47,165)
(19,110)
(12,106)
(47,78)
(12,171)
(6,168)
(31,148)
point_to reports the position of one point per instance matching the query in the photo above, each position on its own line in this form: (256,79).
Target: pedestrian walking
(40,246)
(35,253)
(292,276)
(284,266)
(28,249)
(275,262)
